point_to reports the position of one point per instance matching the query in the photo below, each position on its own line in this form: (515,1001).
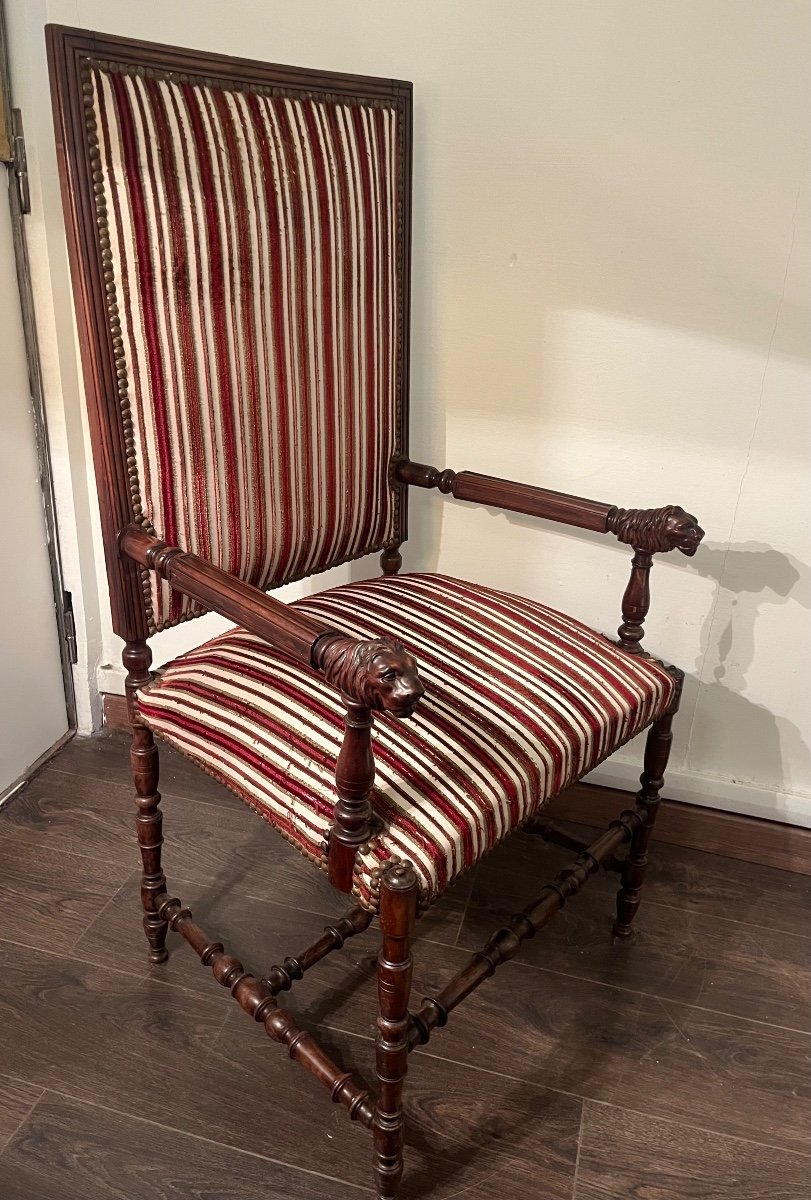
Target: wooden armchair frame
(375,676)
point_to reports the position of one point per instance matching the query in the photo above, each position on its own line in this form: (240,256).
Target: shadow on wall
(749,575)
(727,725)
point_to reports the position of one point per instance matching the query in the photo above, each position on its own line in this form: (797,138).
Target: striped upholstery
(521,702)
(254,248)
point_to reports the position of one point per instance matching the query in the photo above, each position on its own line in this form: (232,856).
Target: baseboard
(115,712)
(697,827)
(710,791)
(713,830)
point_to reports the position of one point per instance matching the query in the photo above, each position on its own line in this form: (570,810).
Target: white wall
(32,701)
(610,297)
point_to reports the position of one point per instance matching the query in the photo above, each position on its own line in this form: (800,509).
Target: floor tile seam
(199,1137)
(579,1096)
(42,1091)
(165,795)
(516,962)
(146,977)
(649,902)
(576,1171)
(735,1137)
(99,915)
(34,840)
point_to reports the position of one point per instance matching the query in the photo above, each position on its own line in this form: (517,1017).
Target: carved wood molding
(354,778)
(281,976)
(636,603)
(656,530)
(378,673)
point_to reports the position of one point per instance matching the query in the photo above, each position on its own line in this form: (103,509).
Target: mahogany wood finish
(652,529)
(648,530)
(377,675)
(391,560)
(268,618)
(635,603)
(558,837)
(281,977)
(657,752)
(137,658)
(354,776)
(656,530)
(257,1000)
(506,942)
(501,493)
(398,911)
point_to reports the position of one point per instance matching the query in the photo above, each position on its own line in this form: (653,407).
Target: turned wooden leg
(149,821)
(657,751)
(398,908)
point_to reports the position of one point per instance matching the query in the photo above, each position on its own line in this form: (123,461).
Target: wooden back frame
(111,436)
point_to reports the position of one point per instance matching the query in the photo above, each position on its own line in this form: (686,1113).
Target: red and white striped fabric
(521,701)
(256,260)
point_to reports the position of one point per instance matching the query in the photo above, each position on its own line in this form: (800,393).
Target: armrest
(378,674)
(654,530)
(649,530)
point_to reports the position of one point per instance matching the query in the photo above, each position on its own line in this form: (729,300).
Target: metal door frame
(12,153)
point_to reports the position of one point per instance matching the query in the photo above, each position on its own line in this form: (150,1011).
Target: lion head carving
(379,673)
(657,529)
(682,530)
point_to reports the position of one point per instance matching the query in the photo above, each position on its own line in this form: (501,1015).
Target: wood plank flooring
(674,1068)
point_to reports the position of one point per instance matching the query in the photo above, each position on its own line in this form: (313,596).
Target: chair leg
(149,825)
(137,658)
(398,909)
(657,752)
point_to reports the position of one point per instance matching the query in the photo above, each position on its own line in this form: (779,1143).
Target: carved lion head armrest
(656,530)
(378,674)
(650,531)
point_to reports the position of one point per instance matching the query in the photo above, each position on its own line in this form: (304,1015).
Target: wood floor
(674,1068)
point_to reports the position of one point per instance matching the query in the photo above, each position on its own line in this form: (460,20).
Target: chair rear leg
(398,909)
(149,820)
(657,752)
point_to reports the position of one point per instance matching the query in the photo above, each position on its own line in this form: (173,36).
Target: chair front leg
(657,752)
(149,820)
(398,909)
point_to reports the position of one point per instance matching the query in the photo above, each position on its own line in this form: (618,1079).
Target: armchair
(239,242)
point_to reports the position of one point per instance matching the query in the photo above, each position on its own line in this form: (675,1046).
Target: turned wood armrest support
(648,530)
(378,673)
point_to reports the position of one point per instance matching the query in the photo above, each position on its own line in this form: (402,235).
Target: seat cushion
(521,701)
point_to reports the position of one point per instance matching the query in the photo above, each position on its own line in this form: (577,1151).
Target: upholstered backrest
(250,237)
